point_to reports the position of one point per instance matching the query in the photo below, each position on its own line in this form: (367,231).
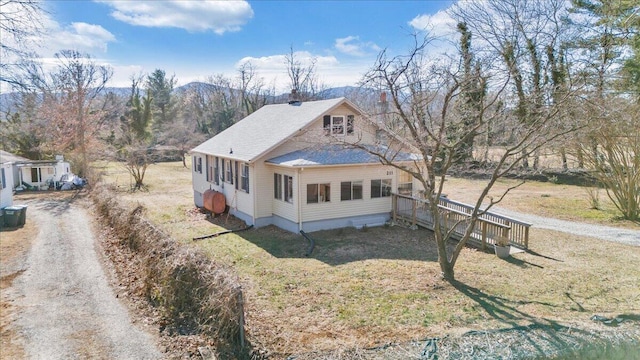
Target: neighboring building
(291,165)
(35,173)
(6,194)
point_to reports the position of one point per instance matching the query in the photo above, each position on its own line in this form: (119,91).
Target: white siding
(284,209)
(236,199)
(199,179)
(364,132)
(337,208)
(6,195)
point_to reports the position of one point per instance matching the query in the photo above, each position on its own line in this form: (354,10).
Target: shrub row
(194,293)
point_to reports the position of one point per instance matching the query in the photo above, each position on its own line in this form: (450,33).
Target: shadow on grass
(522,263)
(341,246)
(529,251)
(506,311)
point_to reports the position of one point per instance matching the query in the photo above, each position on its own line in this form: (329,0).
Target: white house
(41,173)
(34,173)
(291,165)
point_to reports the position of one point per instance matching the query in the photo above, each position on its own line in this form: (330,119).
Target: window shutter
(326,123)
(223,170)
(247,185)
(237,185)
(350,119)
(206,164)
(216,174)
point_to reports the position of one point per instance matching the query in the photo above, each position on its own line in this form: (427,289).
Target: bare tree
(20,21)
(519,34)
(133,145)
(303,79)
(427,101)
(73,103)
(616,163)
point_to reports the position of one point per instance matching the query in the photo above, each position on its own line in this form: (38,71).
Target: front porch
(489,226)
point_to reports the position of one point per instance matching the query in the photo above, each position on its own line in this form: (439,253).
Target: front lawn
(369,288)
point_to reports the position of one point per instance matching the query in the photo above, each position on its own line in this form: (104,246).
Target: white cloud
(438,24)
(79,36)
(351,45)
(196,16)
(329,69)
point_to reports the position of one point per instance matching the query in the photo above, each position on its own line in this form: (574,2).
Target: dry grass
(568,202)
(363,289)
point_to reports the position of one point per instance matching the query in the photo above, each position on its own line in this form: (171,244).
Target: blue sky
(197,39)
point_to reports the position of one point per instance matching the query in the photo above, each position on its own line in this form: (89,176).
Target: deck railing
(457,215)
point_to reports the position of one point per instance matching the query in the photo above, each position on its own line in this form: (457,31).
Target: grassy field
(382,285)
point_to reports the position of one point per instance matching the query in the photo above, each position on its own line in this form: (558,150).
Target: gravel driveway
(608,233)
(66,307)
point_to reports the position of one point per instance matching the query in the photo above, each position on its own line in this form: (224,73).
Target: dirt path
(608,233)
(63,304)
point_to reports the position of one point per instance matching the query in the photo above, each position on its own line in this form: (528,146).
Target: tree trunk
(447,270)
(580,157)
(563,156)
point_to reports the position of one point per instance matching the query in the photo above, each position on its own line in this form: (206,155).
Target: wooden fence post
(414,212)
(484,235)
(394,202)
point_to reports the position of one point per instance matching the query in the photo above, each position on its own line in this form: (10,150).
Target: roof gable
(267,128)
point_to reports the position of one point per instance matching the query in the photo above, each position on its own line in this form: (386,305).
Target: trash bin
(11,216)
(22,219)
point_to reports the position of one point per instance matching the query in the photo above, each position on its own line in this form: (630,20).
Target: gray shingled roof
(9,157)
(337,155)
(265,129)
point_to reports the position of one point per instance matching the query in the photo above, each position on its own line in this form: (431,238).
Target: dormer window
(338,124)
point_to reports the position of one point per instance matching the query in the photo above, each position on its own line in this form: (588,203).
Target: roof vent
(294,97)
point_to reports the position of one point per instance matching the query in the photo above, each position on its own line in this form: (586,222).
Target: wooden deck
(489,226)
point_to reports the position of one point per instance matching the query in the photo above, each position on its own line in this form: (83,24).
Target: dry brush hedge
(194,293)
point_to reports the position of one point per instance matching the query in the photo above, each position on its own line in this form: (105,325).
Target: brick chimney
(294,97)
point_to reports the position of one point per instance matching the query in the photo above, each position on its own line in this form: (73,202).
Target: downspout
(300,199)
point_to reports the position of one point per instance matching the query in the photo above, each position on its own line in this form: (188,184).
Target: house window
(216,171)
(4,183)
(35,175)
(244,180)
(405,183)
(277,186)
(283,187)
(199,168)
(229,176)
(288,188)
(338,124)
(318,193)
(209,161)
(380,188)
(350,190)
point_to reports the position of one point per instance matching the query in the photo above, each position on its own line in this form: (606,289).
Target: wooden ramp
(489,226)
